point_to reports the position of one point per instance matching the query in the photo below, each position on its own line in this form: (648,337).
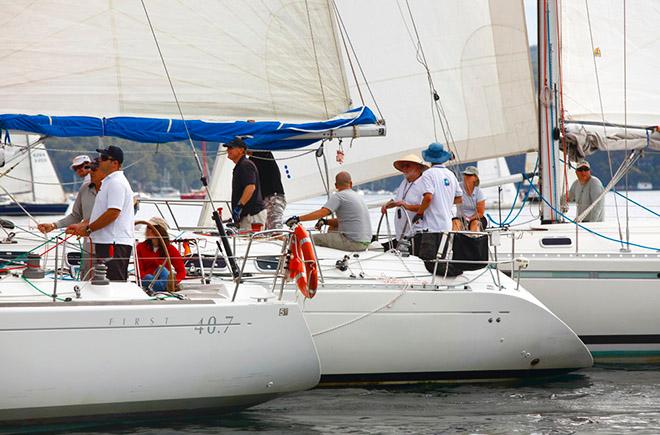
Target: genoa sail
(478,57)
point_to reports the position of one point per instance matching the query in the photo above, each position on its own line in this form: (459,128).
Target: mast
(548,67)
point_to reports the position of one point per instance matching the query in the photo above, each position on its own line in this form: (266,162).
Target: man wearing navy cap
(111,223)
(247,205)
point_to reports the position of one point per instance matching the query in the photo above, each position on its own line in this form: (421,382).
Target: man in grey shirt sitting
(584,191)
(351,230)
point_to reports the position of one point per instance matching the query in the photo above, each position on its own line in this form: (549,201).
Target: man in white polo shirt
(434,215)
(111,223)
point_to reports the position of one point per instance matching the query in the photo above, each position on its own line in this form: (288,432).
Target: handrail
(280,266)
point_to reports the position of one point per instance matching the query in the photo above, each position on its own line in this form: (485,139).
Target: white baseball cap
(79,160)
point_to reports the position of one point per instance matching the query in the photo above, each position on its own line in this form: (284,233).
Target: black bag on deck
(464,247)
(471,248)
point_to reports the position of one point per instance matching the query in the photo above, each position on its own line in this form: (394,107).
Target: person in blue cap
(434,215)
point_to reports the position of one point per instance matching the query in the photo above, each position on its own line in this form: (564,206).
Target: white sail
(33,179)
(609,71)
(604,21)
(228,60)
(479,61)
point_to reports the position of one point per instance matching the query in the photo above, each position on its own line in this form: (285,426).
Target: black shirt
(245,173)
(269,173)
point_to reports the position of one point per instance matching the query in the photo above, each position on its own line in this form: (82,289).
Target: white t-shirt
(410,193)
(443,185)
(115,193)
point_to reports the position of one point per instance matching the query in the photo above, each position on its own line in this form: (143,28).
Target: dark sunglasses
(582,169)
(104,157)
(79,167)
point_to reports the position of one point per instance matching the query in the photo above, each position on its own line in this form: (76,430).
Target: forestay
(593,72)
(479,59)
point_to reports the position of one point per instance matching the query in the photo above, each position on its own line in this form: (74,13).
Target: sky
(530,16)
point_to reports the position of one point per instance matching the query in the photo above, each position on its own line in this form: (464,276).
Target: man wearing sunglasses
(111,222)
(584,191)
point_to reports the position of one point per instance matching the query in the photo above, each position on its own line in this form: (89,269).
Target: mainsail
(609,72)
(228,60)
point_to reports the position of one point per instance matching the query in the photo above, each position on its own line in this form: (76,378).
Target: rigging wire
(436,102)
(223,236)
(357,60)
(602,111)
(316,59)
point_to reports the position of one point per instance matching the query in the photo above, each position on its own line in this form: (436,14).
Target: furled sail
(478,56)
(609,73)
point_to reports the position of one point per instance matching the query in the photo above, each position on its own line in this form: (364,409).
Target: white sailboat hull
(609,297)
(427,335)
(106,357)
(383,320)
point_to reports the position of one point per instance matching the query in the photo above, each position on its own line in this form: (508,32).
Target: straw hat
(160,224)
(410,158)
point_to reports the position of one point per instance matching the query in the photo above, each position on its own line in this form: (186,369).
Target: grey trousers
(337,240)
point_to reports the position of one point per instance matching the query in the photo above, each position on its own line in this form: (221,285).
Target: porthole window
(556,242)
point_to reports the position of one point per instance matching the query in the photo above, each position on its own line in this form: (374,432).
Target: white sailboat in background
(32,180)
(601,278)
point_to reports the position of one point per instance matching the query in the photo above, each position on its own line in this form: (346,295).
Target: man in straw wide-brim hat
(408,195)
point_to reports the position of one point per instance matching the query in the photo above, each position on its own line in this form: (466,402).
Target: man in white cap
(80,165)
(434,215)
(81,212)
(584,191)
(408,195)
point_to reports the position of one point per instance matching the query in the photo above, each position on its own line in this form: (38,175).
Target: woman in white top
(471,210)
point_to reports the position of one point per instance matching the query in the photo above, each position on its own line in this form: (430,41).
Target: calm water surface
(603,400)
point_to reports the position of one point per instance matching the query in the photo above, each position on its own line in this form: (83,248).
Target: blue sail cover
(266,135)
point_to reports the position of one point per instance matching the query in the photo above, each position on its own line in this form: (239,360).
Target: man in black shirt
(246,202)
(271,187)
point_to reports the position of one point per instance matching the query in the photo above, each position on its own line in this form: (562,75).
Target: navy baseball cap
(236,143)
(115,153)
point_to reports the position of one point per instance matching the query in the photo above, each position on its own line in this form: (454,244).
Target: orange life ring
(297,268)
(302,266)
